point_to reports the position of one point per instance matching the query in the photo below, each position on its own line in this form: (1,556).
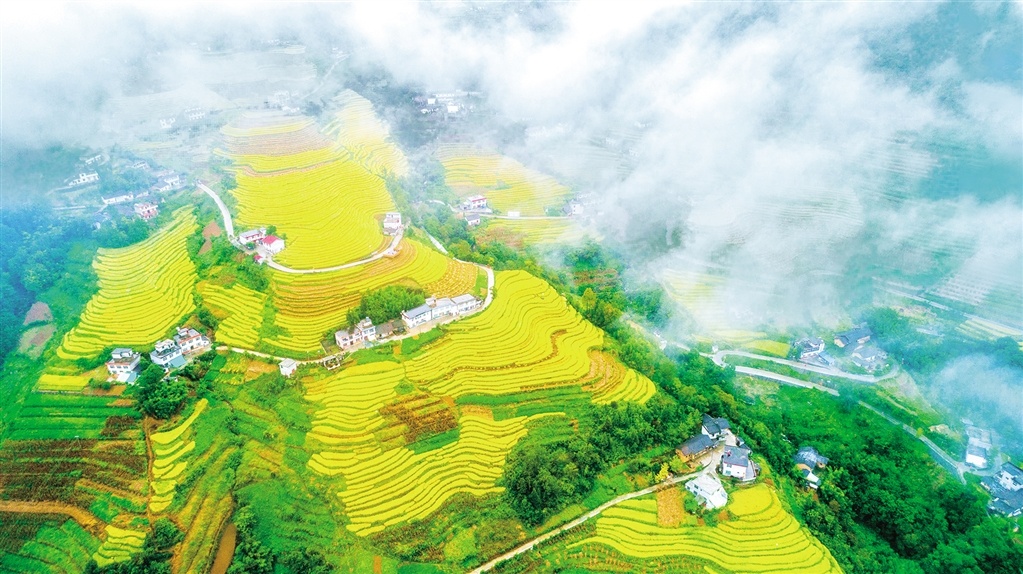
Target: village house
(168,183)
(472,219)
(195,114)
(475,202)
(694,447)
(98,158)
(708,491)
(146,210)
(869,357)
(1006,488)
(392,223)
(252,235)
(859,335)
(167,123)
(84,178)
(272,244)
(465,303)
(976,456)
(807,459)
(140,164)
(118,199)
(573,208)
(363,331)
(442,308)
(736,463)
(417,316)
(191,341)
(167,355)
(385,330)
(288,367)
(715,428)
(809,348)
(977,446)
(123,364)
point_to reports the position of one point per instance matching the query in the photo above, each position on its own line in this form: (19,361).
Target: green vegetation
(386,303)
(154,556)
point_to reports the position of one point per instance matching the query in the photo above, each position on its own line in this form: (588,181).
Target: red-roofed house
(476,202)
(259,259)
(272,244)
(146,210)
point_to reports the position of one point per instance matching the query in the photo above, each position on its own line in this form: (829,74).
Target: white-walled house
(167,354)
(475,202)
(417,316)
(736,463)
(288,367)
(118,199)
(708,490)
(465,303)
(84,178)
(252,235)
(191,341)
(364,330)
(443,308)
(392,223)
(122,363)
(272,244)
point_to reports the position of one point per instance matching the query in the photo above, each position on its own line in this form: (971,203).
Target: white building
(443,308)
(272,244)
(472,219)
(708,491)
(252,235)
(465,303)
(418,316)
(976,456)
(146,210)
(167,123)
(119,199)
(392,223)
(288,367)
(122,361)
(191,341)
(476,202)
(365,330)
(84,178)
(167,354)
(736,463)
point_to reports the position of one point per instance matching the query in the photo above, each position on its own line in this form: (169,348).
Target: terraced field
(144,290)
(367,138)
(119,545)
(66,548)
(240,311)
(58,417)
(762,538)
(508,185)
(61,383)
(364,428)
(170,458)
(309,306)
(523,232)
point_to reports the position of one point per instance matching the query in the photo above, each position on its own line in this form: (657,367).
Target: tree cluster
(382,305)
(154,558)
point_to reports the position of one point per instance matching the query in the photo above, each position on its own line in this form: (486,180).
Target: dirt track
(82,517)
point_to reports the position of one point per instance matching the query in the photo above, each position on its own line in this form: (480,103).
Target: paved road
(526,547)
(228,223)
(772,376)
(437,244)
(943,458)
(719,356)
(492,216)
(379,254)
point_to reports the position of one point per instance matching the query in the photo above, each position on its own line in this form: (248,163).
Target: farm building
(736,463)
(1006,488)
(123,364)
(167,354)
(363,331)
(385,330)
(442,308)
(807,459)
(146,210)
(118,199)
(809,348)
(976,456)
(418,316)
(272,244)
(869,357)
(84,178)
(475,202)
(252,235)
(715,427)
(465,303)
(694,447)
(859,335)
(708,491)
(472,219)
(288,367)
(191,341)
(392,223)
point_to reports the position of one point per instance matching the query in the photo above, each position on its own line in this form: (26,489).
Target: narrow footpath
(379,254)
(228,222)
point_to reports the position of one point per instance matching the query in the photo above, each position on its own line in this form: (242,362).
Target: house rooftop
(289,363)
(696,445)
(417,311)
(269,239)
(736,455)
(809,456)
(715,425)
(459,299)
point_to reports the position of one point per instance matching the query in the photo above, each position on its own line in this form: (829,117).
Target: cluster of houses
(265,246)
(173,353)
(366,332)
(736,461)
(868,357)
(1006,488)
(447,104)
(190,117)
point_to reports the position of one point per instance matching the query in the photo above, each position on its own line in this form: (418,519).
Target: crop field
(358,129)
(55,416)
(493,353)
(119,545)
(768,347)
(144,290)
(325,212)
(240,311)
(309,306)
(170,458)
(508,185)
(65,383)
(387,484)
(55,547)
(762,538)
(524,232)
(253,135)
